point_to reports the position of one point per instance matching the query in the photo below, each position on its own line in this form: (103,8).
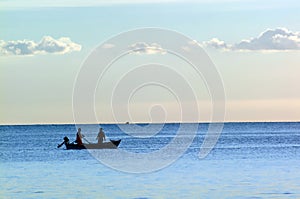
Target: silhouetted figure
(66,141)
(101,136)
(79,137)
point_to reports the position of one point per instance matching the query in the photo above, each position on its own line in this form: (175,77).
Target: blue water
(250,160)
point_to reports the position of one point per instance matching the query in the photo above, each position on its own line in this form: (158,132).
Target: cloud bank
(47,45)
(144,48)
(279,39)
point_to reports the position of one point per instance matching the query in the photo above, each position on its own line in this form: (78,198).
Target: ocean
(250,160)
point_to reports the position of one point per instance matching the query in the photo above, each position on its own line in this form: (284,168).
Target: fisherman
(101,136)
(79,137)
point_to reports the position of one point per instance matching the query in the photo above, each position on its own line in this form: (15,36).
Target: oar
(58,146)
(86,140)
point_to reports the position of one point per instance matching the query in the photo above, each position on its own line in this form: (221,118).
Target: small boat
(112,144)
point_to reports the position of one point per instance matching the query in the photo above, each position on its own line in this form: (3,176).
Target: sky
(255,46)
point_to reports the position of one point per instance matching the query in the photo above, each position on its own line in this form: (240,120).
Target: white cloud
(47,45)
(279,39)
(216,43)
(108,45)
(144,48)
(190,45)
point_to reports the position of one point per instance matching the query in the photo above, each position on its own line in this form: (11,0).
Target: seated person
(79,137)
(66,140)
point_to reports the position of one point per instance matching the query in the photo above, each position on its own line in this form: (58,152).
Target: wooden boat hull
(113,144)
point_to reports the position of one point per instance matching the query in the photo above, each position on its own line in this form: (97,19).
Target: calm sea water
(250,160)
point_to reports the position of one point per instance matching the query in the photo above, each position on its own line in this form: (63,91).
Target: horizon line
(173,122)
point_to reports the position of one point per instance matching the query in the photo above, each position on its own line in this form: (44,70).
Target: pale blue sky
(231,21)
(261,86)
